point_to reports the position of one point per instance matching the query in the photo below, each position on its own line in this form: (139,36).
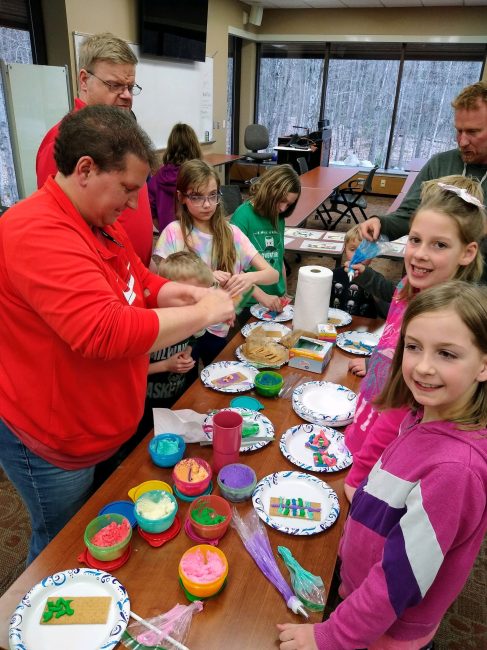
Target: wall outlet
(382,182)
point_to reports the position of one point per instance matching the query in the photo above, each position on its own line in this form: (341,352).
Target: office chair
(302,164)
(232,198)
(354,197)
(256,137)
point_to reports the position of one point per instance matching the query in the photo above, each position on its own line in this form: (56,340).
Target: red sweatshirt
(75,327)
(137,223)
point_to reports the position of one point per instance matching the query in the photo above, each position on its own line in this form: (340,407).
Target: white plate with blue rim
(324,403)
(266,428)
(229,376)
(275,331)
(262,313)
(27,633)
(315,449)
(312,502)
(362,343)
(239,353)
(338,317)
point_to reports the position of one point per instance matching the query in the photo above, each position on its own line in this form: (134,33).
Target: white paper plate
(26,632)
(293,485)
(338,317)
(262,313)
(324,403)
(362,343)
(272,326)
(294,447)
(223,368)
(266,428)
(240,355)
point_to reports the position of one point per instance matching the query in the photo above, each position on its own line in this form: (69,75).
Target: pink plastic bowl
(192,488)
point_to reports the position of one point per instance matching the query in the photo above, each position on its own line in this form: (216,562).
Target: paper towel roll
(312,297)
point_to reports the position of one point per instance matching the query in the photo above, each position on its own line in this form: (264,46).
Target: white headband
(462,193)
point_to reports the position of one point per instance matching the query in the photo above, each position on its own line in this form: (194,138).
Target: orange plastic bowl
(192,488)
(220,506)
(203,589)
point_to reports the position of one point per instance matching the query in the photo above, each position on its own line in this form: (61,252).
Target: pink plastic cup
(227,438)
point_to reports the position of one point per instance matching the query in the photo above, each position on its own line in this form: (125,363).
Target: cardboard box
(310,354)
(327,332)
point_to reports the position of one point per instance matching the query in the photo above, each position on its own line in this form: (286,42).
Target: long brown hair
(182,145)
(469,301)
(272,189)
(194,175)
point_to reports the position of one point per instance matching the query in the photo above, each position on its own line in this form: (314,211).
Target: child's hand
(296,637)
(238,284)
(357,367)
(349,491)
(273,303)
(182,362)
(357,268)
(221,277)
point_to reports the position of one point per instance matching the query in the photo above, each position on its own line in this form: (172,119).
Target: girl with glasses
(202,228)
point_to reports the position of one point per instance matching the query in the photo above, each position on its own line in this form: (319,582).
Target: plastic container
(160,446)
(191,488)
(220,507)
(137,491)
(204,589)
(106,553)
(268,383)
(237,482)
(158,524)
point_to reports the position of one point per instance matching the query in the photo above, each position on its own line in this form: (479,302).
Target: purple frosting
(236,476)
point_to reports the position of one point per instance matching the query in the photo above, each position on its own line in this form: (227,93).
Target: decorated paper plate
(295,503)
(27,633)
(229,376)
(262,313)
(273,330)
(315,448)
(257,364)
(266,429)
(338,317)
(362,343)
(324,403)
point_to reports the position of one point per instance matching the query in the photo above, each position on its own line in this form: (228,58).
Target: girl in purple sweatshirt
(416,524)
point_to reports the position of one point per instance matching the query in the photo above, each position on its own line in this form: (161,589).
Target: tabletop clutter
(305,505)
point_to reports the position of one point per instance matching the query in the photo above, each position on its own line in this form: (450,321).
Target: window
(387,103)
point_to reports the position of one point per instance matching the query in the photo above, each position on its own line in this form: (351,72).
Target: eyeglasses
(118,89)
(199,199)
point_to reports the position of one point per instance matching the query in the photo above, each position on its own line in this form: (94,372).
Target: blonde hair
(469,218)
(469,302)
(185,266)
(104,47)
(470,95)
(182,145)
(193,176)
(271,189)
(354,234)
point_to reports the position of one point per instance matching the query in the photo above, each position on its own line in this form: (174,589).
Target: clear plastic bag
(308,588)
(173,628)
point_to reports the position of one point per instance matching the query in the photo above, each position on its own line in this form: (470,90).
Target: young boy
(367,295)
(168,368)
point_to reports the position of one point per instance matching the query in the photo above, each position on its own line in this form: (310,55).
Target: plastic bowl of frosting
(107,536)
(236,482)
(203,570)
(210,516)
(166,449)
(192,476)
(268,383)
(155,511)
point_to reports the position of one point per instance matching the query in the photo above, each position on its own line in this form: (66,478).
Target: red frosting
(112,534)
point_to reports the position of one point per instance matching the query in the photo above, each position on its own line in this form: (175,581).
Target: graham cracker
(296,508)
(90,610)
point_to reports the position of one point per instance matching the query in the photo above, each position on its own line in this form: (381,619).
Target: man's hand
(296,637)
(218,306)
(370,229)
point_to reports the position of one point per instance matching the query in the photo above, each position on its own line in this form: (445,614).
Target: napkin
(185,422)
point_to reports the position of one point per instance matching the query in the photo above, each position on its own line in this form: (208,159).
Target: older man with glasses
(106,76)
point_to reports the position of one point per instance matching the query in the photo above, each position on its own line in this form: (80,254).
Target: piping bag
(255,539)
(367,250)
(168,630)
(308,588)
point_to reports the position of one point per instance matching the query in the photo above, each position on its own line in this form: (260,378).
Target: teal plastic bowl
(155,524)
(268,383)
(166,449)
(106,553)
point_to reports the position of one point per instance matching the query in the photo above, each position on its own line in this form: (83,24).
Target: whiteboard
(36,97)
(172,91)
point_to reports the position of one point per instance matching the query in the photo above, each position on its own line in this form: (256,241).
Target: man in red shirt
(106,76)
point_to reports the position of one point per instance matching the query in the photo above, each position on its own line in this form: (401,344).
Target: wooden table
(244,615)
(327,178)
(219,159)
